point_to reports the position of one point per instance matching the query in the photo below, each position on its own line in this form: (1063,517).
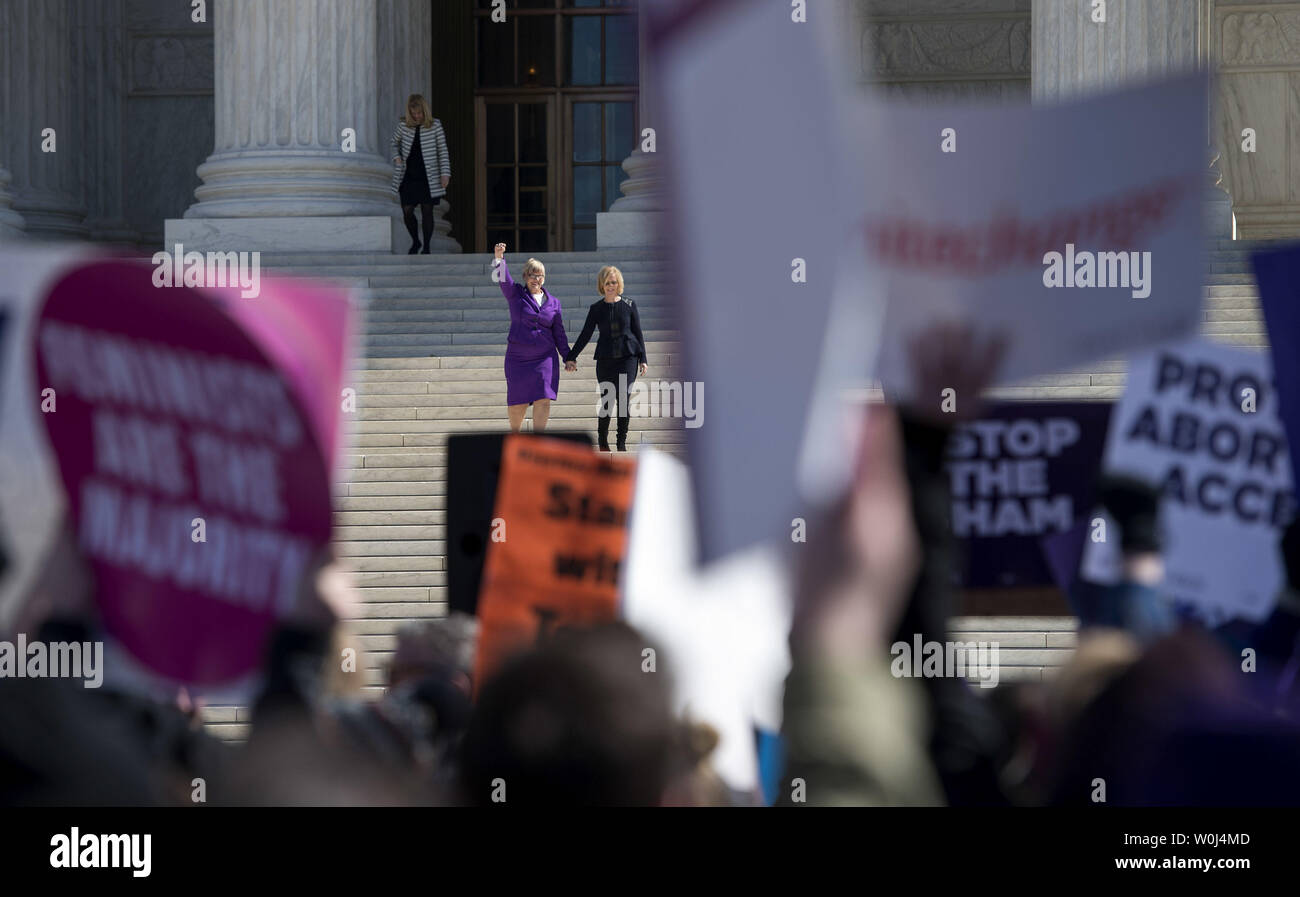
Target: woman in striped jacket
(421,169)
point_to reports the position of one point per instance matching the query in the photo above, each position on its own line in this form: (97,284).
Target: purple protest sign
(193,440)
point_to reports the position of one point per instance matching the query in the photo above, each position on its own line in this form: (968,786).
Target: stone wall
(943,49)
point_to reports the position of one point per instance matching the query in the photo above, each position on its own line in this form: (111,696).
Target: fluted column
(1140,40)
(103,64)
(39,85)
(405,62)
(289,77)
(11,223)
(633,218)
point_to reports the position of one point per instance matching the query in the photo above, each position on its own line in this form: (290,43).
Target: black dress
(414,189)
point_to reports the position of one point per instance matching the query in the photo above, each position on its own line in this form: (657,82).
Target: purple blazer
(535,332)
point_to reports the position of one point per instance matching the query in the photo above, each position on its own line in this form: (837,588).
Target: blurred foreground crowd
(1158,709)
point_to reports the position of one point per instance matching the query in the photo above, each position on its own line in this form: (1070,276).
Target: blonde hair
(417,99)
(604,274)
(533,265)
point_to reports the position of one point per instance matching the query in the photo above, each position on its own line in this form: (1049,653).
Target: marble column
(634,218)
(41,90)
(1256,47)
(103,66)
(11,223)
(290,76)
(1140,40)
(404,63)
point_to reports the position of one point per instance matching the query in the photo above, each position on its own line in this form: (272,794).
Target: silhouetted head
(575,720)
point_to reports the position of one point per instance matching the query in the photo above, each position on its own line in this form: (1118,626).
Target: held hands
(499,250)
(570,366)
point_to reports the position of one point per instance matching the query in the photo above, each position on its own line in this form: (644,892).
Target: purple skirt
(531,378)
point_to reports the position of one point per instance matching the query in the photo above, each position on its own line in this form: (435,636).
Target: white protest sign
(750,130)
(1075,231)
(1199,421)
(724,632)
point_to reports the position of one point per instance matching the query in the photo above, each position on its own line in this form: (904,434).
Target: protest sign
(191,440)
(1200,422)
(756,227)
(555,556)
(1074,231)
(473,472)
(1277,274)
(1018,473)
(724,631)
(31,498)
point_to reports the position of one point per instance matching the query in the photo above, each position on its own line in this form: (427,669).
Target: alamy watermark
(933,660)
(213,269)
(1104,270)
(654,398)
(22,659)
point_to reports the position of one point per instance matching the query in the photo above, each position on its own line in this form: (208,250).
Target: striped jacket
(433,144)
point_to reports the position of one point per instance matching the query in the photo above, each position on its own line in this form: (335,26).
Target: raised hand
(949,355)
(499,250)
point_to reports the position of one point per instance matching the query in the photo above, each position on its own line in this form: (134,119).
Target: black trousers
(615,377)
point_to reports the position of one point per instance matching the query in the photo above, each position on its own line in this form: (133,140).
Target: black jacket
(620,331)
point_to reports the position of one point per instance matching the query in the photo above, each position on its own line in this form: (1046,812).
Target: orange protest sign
(557,544)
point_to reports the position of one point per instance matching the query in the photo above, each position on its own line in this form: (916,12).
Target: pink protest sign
(193,437)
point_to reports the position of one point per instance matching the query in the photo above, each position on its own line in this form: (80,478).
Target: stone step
(498,315)
(488,330)
(449,299)
(456,425)
(468,271)
(659,352)
(570,295)
(561,282)
(579,404)
(482,368)
(387,579)
(515,260)
(443,351)
(452,389)
(402,562)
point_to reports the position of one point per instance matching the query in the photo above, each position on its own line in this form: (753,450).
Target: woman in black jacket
(620,352)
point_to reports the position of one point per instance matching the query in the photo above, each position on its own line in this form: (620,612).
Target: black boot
(602,432)
(426,215)
(622,433)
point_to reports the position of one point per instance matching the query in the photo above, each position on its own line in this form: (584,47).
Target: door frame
(603,95)
(555,168)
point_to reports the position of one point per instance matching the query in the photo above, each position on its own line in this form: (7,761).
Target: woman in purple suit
(535,345)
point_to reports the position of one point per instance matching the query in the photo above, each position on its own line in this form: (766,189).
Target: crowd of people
(1152,709)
